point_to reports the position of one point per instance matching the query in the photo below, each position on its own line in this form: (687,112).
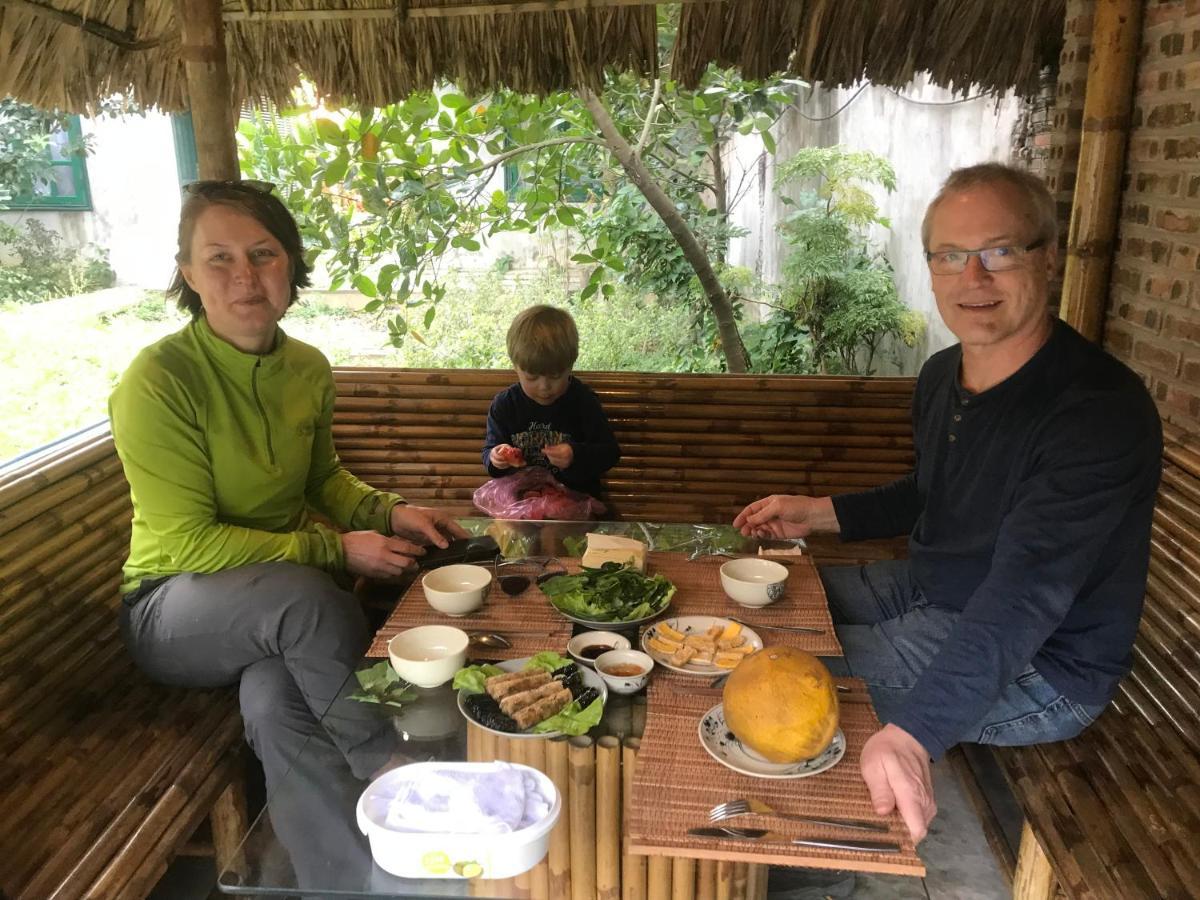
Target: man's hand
(896,769)
(787,516)
(377,556)
(506,456)
(424,524)
(559,455)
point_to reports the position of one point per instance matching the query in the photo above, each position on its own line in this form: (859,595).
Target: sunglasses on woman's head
(248,185)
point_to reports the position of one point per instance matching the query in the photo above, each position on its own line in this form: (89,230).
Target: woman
(225,433)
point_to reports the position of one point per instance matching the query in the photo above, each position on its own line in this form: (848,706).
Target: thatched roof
(69,53)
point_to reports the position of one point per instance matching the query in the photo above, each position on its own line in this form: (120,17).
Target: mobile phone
(482,548)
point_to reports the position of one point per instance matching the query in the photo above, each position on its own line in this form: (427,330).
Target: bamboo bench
(105,776)
(695,448)
(1115,813)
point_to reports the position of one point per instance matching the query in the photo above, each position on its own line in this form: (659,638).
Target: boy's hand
(559,455)
(506,456)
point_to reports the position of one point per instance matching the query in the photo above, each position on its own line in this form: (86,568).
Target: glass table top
(286,853)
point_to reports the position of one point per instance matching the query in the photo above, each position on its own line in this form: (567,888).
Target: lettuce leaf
(572,720)
(471,678)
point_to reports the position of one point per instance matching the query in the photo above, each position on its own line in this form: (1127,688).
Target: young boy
(548,418)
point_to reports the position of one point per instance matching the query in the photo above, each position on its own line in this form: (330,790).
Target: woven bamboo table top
(699,593)
(528,620)
(676,783)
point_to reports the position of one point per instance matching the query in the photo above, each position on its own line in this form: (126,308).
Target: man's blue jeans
(890,633)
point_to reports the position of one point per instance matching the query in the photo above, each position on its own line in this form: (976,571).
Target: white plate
(726,749)
(695,625)
(590,679)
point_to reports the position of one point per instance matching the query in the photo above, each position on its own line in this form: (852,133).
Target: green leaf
(453,101)
(430,314)
(329,131)
(336,170)
(768,142)
(373,306)
(386,276)
(588,290)
(364,285)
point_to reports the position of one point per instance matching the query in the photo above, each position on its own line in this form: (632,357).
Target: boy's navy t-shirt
(575,418)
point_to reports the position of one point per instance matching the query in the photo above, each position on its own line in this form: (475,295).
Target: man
(1028,510)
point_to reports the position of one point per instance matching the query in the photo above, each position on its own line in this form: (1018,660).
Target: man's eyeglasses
(214,186)
(994,259)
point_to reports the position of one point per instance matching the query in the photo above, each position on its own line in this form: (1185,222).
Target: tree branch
(530,148)
(650,113)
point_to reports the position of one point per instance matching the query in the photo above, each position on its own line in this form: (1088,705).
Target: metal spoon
(496,641)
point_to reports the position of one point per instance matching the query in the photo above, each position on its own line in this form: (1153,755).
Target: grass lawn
(61,358)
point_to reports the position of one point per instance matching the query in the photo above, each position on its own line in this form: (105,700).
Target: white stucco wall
(135,199)
(923,142)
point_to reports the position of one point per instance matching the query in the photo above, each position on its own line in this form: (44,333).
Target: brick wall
(1153,320)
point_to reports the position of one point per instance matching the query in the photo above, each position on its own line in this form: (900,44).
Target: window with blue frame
(66,185)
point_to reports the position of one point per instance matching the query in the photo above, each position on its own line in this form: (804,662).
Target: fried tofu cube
(727,660)
(724,643)
(700,641)
(683,656)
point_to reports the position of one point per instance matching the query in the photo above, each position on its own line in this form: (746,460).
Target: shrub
(43,267)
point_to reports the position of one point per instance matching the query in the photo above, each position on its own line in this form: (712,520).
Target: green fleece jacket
(226,451)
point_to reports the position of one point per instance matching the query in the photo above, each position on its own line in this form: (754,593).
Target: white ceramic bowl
(753,582)
(428,655)
(609,640)
(624,684)
(457,590)
(412,854)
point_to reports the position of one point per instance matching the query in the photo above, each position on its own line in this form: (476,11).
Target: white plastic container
(410,854)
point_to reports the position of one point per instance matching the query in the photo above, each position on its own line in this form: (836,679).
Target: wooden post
(202,38)
(1116,36)
(608,818)
(1034,879)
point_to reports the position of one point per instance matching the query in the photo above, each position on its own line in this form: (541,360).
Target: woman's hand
(559,455)
(506,456)
(378,556)
(425,524)
(787,516)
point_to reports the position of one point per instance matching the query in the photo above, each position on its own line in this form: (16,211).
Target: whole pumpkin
(782,703)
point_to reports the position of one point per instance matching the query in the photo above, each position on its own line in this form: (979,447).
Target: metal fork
(728,810)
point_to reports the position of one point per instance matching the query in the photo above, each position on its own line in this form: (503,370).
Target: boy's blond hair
(543,340)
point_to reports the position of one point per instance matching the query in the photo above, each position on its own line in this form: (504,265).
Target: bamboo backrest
(695,448)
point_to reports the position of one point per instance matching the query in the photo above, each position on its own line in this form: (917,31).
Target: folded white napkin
(494,800)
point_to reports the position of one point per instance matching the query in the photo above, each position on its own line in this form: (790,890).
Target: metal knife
(760,834)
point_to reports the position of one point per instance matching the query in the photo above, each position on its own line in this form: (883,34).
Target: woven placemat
(699,593)
(528,620)
(676,783)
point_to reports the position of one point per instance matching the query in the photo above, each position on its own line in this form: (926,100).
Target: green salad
(572,719)
(611,593)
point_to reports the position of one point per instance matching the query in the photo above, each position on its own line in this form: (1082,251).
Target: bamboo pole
(633,865)
(1095,210)
(558,767)
(658,878)
(756,887)
(608,818)
(209,95)
(583,818)
(741,877)
(683,878)
(522,882)
(725,880)
(706,880)
(539,876)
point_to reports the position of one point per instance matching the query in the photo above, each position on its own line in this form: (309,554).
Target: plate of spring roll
(541,696)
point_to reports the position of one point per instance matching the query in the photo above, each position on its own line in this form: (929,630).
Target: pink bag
(533,493)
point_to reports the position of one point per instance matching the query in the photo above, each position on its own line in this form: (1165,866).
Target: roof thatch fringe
(374,60)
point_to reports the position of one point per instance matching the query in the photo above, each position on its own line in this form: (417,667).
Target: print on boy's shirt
(534,438)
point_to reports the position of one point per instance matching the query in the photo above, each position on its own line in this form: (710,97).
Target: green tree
(25,147)
(838,301)
(384,193)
